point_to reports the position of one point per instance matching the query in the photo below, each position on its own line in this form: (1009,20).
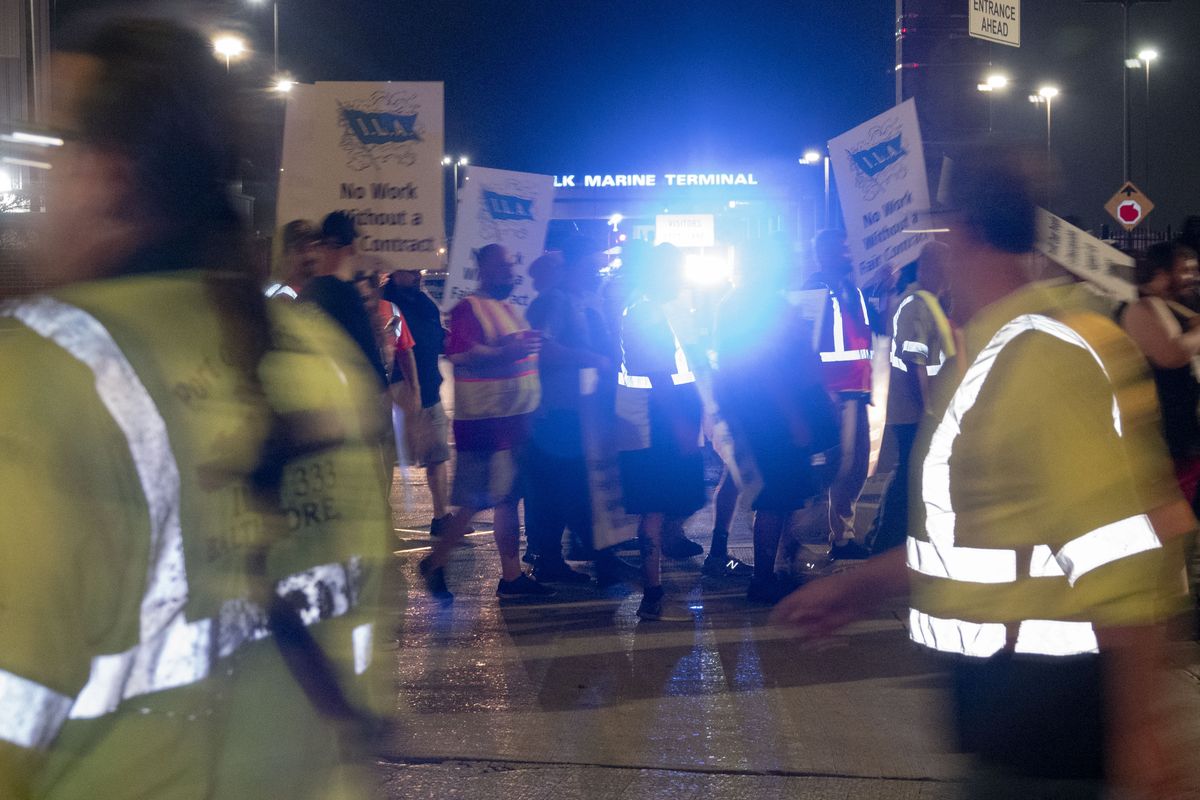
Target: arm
(823,606)
(512,348)
(410,394)
(1160,348)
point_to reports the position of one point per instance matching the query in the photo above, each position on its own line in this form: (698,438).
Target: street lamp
(275,18)
(994,82)
(229,47)
(1045,95)
(451,161)
(1145,57)
(284,85)
(812,158)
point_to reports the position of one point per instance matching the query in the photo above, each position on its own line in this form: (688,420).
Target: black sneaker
(681,547)
(437,525)
(523,586)
(651,606)
(558,572)
(849,551)
(435,581)
(727,567)
(768,591)
(529,558)
(611,570)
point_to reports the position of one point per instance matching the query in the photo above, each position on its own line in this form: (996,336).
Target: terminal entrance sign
(996,20)
(1129,206)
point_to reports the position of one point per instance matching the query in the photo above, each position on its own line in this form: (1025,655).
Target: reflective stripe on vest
(984,639)
(940,557)
(839,353)
(682,374)
(500,390)
(276,289)
(945,335)
(171,652)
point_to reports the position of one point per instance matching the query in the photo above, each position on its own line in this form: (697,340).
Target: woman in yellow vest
(195,520)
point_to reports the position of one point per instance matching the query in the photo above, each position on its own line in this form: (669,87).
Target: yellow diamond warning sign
(1129,206)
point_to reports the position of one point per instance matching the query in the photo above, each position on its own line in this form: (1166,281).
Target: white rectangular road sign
(996,20)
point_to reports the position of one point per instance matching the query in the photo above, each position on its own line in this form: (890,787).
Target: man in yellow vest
(496,391)
(1044,543)
(195,521)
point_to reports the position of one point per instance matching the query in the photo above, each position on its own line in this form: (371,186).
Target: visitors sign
(685,230)
(1129,206)
(996,20)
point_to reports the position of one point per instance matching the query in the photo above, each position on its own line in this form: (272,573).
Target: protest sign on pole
(880,171)
(496,206)
(1078,252)
(374,151)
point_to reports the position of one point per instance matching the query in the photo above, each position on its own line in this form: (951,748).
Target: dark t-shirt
(341,301)
(425,324)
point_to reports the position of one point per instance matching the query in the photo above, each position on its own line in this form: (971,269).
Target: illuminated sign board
(650,180)
(685,230)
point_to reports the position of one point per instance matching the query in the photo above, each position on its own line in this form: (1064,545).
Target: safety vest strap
(985,639)
(839,353)
(682,375)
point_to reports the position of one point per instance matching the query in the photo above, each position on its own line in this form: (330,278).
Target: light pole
(994,82)
(1045,96)
(275,24)
(812,158)
(229,47)
(1146,56)
(450,161)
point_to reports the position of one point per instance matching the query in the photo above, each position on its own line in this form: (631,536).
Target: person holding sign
(496,390)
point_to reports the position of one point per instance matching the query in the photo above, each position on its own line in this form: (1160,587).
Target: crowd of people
(194,565)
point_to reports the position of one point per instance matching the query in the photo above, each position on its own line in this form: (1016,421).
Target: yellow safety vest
(500,390)
(139,662)
(947,348)
(1045,491)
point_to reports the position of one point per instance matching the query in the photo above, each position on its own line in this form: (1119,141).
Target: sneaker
(611,570)
(849,551)
(651,606)
(768,591)
(681,547)
(523,586)
(558,572)
(435,581)
(437,525)
(529,558)
(727,567)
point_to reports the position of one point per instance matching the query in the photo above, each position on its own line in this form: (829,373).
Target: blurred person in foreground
(658,417)
(191,568)
(922,341)
(769,390)
(845,355)
(300,245)
(426,427)
(1044,547)
(496,391)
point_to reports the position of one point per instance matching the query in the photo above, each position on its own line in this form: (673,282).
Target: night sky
(573,87)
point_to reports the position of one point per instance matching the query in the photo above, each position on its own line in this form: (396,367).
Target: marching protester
(300,249)
(192,613)
(334,291)
(496,390)
(922,341)
(658,417)
(770,391)
(845,355)
(577,367)
(426,428)
(1047,526)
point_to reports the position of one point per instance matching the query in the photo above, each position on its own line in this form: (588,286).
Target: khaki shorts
(485,478)
(426,436)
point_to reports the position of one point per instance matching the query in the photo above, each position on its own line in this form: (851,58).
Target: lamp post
(1045,96)
(994,82)
(812,158)
(229,47)
(1146,56)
